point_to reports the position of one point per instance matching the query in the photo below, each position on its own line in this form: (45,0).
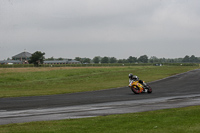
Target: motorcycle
(139,87)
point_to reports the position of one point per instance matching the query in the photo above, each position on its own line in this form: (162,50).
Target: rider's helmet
(135,78)
(130,76)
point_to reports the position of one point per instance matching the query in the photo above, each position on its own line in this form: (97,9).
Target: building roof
(10,61)
(74,61)
(56,61)
(60,61)
(23,55)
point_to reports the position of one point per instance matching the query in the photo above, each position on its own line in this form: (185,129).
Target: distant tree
(122,61)
(132,59)
(50,58)
(178,60)
(96,59)
(186,58)
(198,59)
(113,60)
(143,59)
(193,59)
(105,60)
(86,60)
(37,58)
(79,59)
(154,59)
(60,58)
(162,60)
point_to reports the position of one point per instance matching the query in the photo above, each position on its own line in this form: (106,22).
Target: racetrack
(176,91)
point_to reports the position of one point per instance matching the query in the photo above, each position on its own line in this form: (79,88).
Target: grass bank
(180,120)
(15,82)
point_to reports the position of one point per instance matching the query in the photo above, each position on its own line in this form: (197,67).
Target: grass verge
(47,81)
(180,120)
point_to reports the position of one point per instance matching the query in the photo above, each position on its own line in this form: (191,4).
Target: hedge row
(96,65)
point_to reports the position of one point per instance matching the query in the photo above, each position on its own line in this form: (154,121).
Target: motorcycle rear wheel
(149,89)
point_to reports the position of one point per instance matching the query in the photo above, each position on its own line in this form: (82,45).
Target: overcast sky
(89,28)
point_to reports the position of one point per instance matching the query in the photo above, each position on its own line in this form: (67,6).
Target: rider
(131,77)
(134,78)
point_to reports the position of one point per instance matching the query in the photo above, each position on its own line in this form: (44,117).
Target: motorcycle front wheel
(135,90)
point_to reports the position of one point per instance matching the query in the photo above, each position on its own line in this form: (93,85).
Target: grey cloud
(102,24)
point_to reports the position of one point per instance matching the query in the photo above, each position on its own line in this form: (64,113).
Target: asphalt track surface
(176,91)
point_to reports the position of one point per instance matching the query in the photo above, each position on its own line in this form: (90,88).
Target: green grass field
(15,82)
(180,120)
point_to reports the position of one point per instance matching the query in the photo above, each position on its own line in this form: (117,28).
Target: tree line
(38,58)
(132,59)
